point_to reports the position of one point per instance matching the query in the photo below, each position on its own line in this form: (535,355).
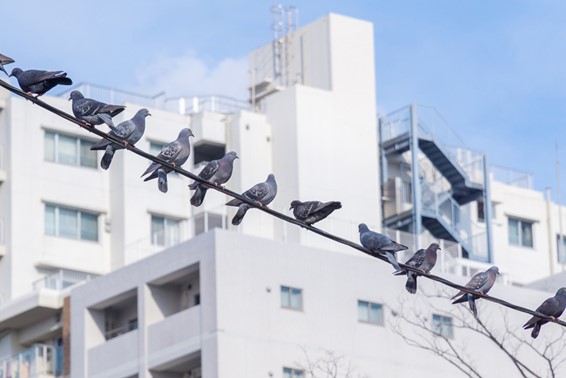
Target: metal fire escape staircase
(441,210)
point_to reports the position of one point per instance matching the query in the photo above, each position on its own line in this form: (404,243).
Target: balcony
(38,361)
(117,357)
(61,280)
(175,337)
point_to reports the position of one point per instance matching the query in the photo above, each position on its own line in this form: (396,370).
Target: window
(165,231)
(155,147)
(291,298)
(520,232)
(207,221)
(442,326)
(369,312)
(70,223)
(69,150)
(561,248)
(293,373)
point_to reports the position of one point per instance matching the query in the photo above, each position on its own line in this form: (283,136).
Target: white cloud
(189,75)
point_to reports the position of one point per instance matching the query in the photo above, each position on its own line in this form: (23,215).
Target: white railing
(39,360)
(512,177)
(62,279)
(181,105)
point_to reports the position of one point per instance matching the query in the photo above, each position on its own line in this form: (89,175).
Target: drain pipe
(549,231)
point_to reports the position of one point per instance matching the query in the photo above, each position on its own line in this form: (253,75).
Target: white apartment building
(213,305)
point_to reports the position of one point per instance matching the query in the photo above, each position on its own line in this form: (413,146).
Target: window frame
(289,305)
(79,144)
(166,219)
(521,222)
(56,227)
(561,258)
(371,306)
(293,372)
(442,324)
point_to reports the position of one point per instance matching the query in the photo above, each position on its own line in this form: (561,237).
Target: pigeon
(311,212)
(379,243)
(5,60)
(424,260)
(216,171)
(129,131)
(94,112)
(39,82)
(262,194)
(481,282)
(553,307)
(175,153)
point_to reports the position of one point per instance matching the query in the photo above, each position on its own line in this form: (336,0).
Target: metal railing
(62,279)
(433,126)
(181,105)
(511,177)
(39,360)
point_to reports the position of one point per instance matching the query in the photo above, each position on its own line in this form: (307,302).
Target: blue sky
(495,70)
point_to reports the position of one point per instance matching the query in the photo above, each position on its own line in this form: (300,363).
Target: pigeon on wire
(379,243)
(424,260)
(175,153)
(310,212)
(38,82)
(94,112)
(129,131)
(5,60)
(216,171)
(553,307)
(482,282)
(262,194)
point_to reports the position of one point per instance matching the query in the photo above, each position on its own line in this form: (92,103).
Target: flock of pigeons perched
(218,172)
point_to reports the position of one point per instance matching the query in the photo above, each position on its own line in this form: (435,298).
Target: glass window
(70,150)
(70,223)
(520,232)
(291,298)
(165,231)
(49,220)
(442,325)
(155,147)
(561,248)
(369,312)
(293,373)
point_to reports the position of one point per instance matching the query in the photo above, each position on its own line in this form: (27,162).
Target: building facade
(168,307)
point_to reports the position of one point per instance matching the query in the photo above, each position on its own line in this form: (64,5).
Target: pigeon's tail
(400,273)
(162,180)
(62,80)
(112,110)
(198,197)
(391,257)
(107,157)
(107,120)
(472,303)
(3,69)
(240,214)
(411,284)
(462,299)
(536,330)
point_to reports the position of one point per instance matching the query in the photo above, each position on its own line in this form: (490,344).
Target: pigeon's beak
(148,114)
(290,207)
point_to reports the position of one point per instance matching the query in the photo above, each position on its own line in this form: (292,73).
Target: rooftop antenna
(285,19)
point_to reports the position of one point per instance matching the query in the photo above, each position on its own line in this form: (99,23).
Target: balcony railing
(181,105)
(62,279)
(39,360)
(512,177)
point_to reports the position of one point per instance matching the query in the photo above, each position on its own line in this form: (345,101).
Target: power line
(267,210)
